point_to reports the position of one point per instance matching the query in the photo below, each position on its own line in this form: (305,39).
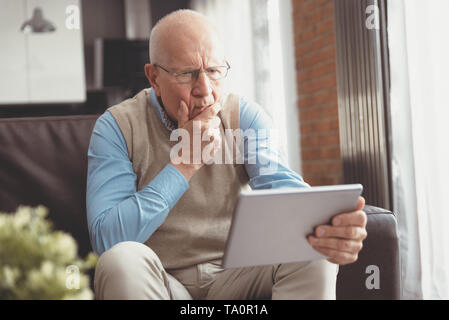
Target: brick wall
(315,53)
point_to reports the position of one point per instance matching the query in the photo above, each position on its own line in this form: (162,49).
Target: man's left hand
(342,241)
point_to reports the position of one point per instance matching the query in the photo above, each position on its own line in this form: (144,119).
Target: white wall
(40,67)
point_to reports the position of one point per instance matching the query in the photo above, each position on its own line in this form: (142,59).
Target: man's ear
(152,73)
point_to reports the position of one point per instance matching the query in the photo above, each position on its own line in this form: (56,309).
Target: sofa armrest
(376,273)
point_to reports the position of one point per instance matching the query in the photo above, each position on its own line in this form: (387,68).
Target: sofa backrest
(43,160)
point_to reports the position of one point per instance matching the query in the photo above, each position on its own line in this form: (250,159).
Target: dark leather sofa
(43,160)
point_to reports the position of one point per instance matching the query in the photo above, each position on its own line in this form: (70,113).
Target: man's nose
(202,85)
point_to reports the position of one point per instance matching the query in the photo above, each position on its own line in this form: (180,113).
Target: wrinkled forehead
(194,46)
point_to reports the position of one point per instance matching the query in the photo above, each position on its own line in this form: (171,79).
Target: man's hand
(208,123)
(342,241)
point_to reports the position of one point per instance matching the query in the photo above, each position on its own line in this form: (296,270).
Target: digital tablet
(271,226)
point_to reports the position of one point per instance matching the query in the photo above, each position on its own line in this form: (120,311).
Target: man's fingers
(349,246)
(355,218)
(183,114)
(209,113)
(215,109)
(215,122)
(360,203)
(209,117)
(338,257)
(342,241)
(346,232)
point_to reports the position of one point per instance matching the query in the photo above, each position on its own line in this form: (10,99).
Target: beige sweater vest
(196,228)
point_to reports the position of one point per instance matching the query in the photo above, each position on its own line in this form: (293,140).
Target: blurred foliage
(37,262)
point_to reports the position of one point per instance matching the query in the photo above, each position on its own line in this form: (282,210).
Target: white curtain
(258,39)
(419,58)
(233,20)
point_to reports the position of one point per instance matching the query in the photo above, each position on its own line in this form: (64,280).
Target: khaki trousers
(131,270)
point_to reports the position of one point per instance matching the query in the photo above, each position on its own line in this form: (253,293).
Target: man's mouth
(201,109)
(196,110)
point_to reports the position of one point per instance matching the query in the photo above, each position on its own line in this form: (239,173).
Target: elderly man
(159,224)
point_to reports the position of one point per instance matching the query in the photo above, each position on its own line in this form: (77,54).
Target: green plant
(37,262)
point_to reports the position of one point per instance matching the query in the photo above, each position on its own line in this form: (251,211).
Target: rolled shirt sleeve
(264,162)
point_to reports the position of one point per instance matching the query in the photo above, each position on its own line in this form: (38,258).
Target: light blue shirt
(117,212)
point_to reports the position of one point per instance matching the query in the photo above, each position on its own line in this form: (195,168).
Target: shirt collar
(166,121)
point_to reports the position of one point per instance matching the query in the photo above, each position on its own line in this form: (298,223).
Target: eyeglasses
(188,76)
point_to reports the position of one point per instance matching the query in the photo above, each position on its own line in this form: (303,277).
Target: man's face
(186,55)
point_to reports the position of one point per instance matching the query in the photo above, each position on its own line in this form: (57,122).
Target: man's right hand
(208,123)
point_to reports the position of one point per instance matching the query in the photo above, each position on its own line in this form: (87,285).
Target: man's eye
(213,70)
